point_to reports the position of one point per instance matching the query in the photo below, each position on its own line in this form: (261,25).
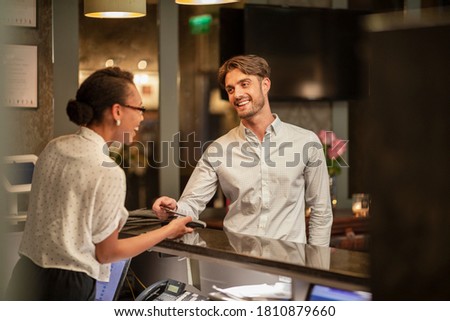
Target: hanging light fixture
(200,2)
(115,8)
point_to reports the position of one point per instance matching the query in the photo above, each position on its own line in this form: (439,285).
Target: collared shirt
(77,200)
(267,183)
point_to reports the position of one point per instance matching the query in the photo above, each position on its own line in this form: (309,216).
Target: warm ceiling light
(115,8)
(200,2)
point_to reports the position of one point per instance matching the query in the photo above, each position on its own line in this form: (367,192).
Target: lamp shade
(201,2)
(115,8)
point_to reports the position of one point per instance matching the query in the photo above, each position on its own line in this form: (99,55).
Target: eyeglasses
(141,109)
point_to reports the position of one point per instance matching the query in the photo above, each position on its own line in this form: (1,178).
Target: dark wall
(406,146)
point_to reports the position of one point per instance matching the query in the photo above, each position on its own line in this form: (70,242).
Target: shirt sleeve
(109,209)
(199,190)
(317,196)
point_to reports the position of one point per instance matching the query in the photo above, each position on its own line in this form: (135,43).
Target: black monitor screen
(325,293)
(19,173)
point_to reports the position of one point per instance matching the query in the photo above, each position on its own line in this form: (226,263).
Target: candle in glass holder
(360,205)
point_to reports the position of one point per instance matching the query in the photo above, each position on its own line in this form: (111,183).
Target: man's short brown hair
(248,64)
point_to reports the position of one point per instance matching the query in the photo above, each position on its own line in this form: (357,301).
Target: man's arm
(201,187)
(317,197)
(199,190)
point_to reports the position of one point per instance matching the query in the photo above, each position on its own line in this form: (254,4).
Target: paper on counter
(278,291)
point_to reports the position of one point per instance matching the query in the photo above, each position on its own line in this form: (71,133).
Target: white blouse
(77,200)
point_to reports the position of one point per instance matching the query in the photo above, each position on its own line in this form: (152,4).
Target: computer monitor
(18,172)
(109,291)
(325,293)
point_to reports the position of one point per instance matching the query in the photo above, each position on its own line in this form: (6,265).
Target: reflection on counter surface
(264,248)
(271,251)
(328,266)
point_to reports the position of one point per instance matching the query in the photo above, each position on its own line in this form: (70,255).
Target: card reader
(193,224)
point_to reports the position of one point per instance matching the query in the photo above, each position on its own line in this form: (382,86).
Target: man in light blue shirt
(270,171)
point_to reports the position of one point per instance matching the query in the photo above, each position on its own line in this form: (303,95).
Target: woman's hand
(177,227)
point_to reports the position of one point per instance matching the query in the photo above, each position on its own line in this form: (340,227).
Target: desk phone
(169,290)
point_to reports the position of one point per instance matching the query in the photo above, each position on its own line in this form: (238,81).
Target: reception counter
(303,263)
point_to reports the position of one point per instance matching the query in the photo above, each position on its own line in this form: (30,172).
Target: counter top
(321,265)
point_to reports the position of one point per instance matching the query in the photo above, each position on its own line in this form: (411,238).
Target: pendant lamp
(115,8)
(201,2)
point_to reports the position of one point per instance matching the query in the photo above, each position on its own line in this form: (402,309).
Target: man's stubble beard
(257,106)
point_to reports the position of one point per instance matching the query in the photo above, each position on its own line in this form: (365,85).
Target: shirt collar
(274,127)
(92,136)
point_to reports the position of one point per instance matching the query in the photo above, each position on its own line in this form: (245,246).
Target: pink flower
(338,147)
(327,137)
(333,148)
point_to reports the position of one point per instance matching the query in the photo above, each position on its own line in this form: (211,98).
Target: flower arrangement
(333,148)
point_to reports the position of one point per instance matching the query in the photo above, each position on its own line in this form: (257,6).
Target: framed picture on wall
(20,13)
(21,75)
